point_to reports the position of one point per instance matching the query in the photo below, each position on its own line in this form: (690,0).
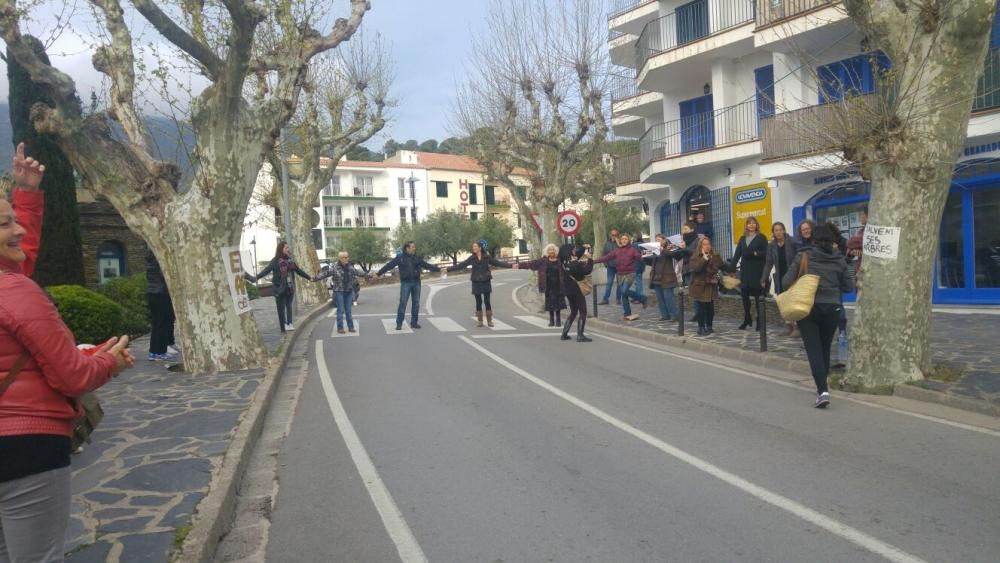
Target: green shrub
(252,292)
(130,293)
(92,317)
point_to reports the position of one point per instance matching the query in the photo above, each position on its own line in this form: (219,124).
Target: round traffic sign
(569,223)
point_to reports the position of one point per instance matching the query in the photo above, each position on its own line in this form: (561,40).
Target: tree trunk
(304,250)
(598,207)
(909,156)
(60,258)
(551,224)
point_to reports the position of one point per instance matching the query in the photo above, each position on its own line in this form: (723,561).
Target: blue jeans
(612,274)
(344,301)
(626,283)
(408,290)
(639,288)
(665,301)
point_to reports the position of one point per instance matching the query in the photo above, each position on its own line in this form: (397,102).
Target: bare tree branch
(176,35)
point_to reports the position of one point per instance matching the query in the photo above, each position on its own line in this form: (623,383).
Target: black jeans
(818,330)
(483,299)
(747,293)
(161,320)
(284,303)
(705,313)
(577,306)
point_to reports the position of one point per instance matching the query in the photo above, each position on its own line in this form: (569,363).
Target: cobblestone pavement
(136,487)
(962,342)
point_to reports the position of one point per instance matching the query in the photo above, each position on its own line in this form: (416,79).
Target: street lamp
(253,243)
(413,196)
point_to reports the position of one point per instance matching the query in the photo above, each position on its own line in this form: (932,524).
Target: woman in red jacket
(43,373)
(626,259)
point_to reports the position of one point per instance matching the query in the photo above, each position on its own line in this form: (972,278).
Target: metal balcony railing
(988,86)
(626,169)
(690,23)
(623,87)
(814,129)
(698,132)
(619,7)
(771,11)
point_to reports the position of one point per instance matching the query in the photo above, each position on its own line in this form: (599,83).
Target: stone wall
(99,223)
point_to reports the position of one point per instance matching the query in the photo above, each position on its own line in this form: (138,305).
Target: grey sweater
(831,269)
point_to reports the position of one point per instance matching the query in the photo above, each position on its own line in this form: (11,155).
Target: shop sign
(751,201)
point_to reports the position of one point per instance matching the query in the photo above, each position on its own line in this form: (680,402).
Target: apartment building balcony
(628,16)
(806,24)
(627,99)
(358,193)
(626,169)
(699,139)
(690,38)
(814,130)
(348,223)
(627,126)
(621,48)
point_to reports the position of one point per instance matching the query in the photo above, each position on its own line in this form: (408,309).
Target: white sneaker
(289,326)
(173,350)
(355,303)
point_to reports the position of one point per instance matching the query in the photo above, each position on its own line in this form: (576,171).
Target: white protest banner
(653,247)
(676,240)
(881,242)
(232,262)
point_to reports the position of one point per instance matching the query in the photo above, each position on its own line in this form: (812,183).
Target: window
(334,187)
(518,215)
(110,261)
(317,235)
(366,217)
(441,189)
(473,196)
(522,246)
(364,186)
(995,32)
(338,216)
(764,80)
(328,215)
(853,76)
(491,195)
(401,184)
(402,215)
(473,216)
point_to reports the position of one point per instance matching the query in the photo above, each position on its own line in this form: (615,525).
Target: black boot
(565,331)
(746,322)
(579,330)
(552,318)
(558,318)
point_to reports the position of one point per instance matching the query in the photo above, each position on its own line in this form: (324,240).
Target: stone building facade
(110,248)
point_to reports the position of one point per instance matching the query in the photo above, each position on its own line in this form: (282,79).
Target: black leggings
(817,332)
(747,293)
(705,313)
(483,299)
(577,306)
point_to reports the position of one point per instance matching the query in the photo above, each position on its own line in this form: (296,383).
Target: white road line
(374,315)
(331,314)
(446,324)
(853,535)
(357,331)
(518,335)
(390,327)
(406,544)
(744,373)
(536,321)
(498,325)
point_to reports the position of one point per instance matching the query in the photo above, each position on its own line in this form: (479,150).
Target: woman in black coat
(482,275)
(780,253)
(578,266)
(750,254)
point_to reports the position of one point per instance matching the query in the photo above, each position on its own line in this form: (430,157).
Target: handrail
(619,7)
(698,132)
(693,22)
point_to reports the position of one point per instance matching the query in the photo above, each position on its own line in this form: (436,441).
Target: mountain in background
(169,143)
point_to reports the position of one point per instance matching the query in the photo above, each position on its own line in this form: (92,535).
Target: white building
(717,90)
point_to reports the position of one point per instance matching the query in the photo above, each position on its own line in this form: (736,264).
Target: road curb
(215,513)
(725,355)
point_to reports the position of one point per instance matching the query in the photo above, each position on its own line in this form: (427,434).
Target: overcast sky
(429,40)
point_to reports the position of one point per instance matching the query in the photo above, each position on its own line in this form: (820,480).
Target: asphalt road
(455,443)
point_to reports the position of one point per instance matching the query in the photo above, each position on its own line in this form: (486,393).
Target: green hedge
(130,293)
(92,317)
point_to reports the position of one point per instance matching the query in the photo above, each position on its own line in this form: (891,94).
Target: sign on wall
(463,196)
(232,262)
(751,201)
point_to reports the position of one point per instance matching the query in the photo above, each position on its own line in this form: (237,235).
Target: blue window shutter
(995,33)
(829,87)
(764,79)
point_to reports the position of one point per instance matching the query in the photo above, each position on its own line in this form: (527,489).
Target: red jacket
(40,401)
(626,259)
(28,209)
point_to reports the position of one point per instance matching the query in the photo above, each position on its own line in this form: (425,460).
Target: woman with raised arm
(482,264)
(578,266)
(550,282)
(283,270)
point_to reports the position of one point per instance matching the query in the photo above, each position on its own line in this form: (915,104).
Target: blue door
(665,218)
(692,21)
(697,124)
(764,80)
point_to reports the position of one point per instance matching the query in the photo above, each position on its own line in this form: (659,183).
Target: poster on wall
(855,220)
(232,262)
(751,201)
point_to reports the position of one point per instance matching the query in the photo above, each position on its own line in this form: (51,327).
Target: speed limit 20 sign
(569,223)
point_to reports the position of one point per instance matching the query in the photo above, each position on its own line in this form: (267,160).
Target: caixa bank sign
(753,194)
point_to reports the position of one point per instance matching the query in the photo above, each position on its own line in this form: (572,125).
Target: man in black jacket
(410,267)
(161,312)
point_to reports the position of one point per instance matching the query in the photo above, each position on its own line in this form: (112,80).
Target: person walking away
(161,312)
(481,263)
(705,267)
(609,246)
(663,277)
(750,255)
(43,376)
(820,326)
(343,277)
(283,271)
(806,229)
(625,258)
(410,267)
(780,253)
(551,282)
(640,268)
(578,265)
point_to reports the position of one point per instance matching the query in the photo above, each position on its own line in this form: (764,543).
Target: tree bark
(304,248)
(909,156)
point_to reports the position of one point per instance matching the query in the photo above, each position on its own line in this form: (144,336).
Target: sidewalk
(164,434)
(963,344)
